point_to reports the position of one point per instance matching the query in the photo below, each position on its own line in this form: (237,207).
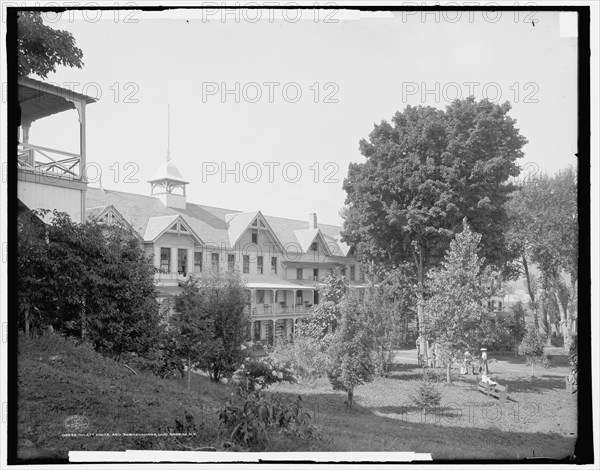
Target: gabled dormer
(173,225)
(247,228)
(109,215)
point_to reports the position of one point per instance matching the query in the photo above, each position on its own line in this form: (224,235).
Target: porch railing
(50,161)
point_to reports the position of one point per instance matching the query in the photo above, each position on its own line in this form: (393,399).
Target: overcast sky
(351,73)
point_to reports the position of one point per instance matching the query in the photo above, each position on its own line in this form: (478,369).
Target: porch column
(174,260)
(294,300)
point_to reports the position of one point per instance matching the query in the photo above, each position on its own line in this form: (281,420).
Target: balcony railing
(49,161)
(278,309)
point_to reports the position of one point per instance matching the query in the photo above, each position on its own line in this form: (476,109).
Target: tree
(41,48)
(532,347)
(192,327)
(350,350)
(517,324)
(544,219)
(88,280)
(456,313)
(422,175)
(214,302)
(323,320)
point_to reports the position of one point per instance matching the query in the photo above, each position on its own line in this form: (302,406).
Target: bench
(497,391)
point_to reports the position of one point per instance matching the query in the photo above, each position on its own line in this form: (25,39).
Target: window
(215,261)
(315,274)
(259,265)
(231,263)
(165,259)
(255,236)
(299,298)
(273,265)
(182,261)
(313,246)
(343,272)
(197,261)
(299,273)
(246,267)
(260,296)
(499,305)
(362,274)
(352,273)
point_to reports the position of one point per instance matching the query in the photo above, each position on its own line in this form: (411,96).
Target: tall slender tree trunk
(531,292)
(572,305)
(189,372)
(350,397)
(448,378)
(566,331)
(27,322)
(421,304)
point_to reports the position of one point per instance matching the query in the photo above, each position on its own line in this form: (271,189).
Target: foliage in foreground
(41,48)
(253,419)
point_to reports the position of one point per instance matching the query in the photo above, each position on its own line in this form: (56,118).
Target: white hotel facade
(283,261)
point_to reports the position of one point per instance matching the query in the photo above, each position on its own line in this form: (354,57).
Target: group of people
(470,363)
(475,365)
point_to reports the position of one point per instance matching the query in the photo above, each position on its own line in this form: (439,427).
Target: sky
(267,114)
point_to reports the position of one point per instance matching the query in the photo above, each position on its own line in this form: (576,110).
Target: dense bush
(257,374)
(89,280)
(251,418)
(306,355)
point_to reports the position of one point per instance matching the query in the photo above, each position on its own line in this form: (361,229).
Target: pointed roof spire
(168,132)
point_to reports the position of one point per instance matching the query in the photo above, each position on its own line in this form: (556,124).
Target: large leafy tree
(423,173)
(544,226)
(88,280)
(41,48)
(456,314)
(213,322)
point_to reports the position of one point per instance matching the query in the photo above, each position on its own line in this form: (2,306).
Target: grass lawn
(539,419)
(59,379)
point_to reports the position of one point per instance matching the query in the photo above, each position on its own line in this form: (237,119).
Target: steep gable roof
(159,225)
(307,236)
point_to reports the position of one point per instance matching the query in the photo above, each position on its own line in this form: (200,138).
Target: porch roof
(273,282)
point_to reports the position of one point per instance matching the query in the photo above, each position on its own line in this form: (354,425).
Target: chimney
(312,220)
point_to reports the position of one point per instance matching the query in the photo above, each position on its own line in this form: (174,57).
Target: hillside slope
(68,388)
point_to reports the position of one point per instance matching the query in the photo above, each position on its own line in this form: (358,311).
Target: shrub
(258,374)
(426,394)
(306,356)
(250,417)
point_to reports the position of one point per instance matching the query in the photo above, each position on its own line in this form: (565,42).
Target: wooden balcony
(50,162)
(279,310)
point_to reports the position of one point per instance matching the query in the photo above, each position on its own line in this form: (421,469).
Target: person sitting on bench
(487,379)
